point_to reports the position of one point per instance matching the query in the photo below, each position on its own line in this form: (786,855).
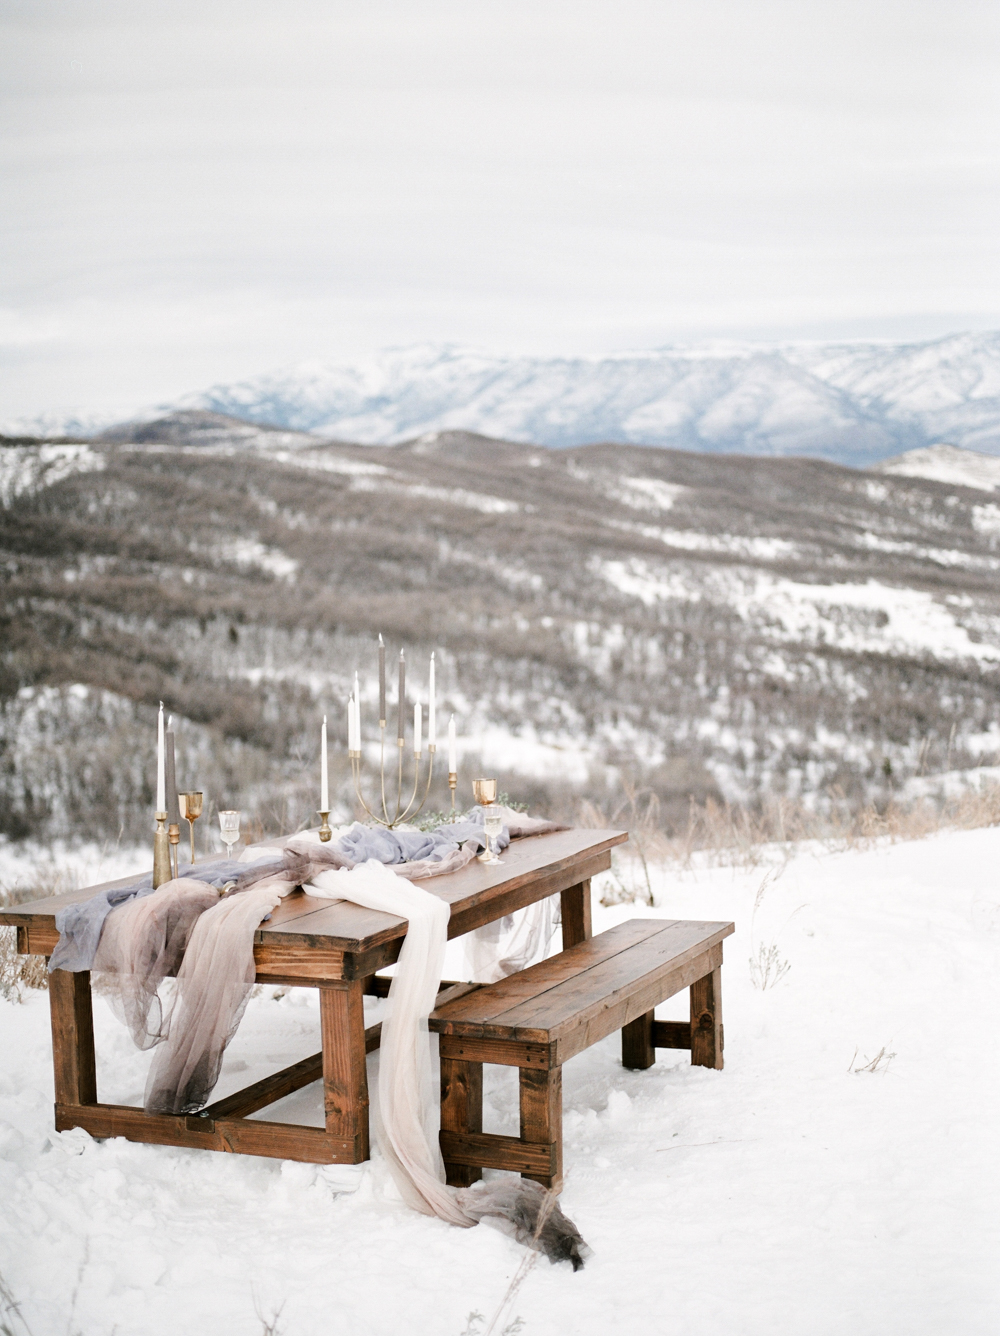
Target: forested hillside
(700,624)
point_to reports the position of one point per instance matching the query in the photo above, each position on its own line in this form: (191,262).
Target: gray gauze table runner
(80,925)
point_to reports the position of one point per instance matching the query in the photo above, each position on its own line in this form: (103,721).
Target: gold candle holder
(453,785)
(191,805)
(174,839)
(324,831)
(161,851)
(404,809)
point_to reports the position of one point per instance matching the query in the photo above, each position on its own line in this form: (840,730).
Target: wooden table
(308,942)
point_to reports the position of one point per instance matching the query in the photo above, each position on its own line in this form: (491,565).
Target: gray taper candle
(381,680)
(173,806)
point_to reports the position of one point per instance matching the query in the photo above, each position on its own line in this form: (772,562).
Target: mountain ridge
(852,403)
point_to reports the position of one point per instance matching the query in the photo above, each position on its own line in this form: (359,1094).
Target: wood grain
(575,904)
(283,1141)
(488,1151)
(345,1077)
(671,1034)
(706,1020)
(638,1049)
(469,1015)
(73,1061)
(502,1053)
(268,1090)
(461,1113)
(540,1098)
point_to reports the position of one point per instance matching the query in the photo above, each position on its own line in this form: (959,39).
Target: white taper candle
(417,727)
(324,776)
(161,765)
(431,708)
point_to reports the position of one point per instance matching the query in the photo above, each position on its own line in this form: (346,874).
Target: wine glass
(485,793)
(229,824)
(191,809)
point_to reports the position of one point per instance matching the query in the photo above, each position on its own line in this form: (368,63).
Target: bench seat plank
(549,1000)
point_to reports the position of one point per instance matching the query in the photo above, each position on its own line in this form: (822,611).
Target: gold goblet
(485,793)
(191,808)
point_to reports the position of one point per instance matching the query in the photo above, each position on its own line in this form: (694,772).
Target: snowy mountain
(853,403)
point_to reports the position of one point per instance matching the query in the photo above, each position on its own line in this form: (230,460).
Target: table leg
(706,1021)
(576,925)
(73,1061)
(345,1077)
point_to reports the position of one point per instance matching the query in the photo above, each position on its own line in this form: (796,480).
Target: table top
(529,870)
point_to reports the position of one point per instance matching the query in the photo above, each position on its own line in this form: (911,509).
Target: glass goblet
(492,825)
(229,824)
(485,793)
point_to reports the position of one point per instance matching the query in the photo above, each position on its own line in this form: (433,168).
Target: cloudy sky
(194,192)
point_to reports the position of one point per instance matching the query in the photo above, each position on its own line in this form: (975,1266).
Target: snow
(25,468)
(250,552)
(863,617)
(793,1192)
(947,463)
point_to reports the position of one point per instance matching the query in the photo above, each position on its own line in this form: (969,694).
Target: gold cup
(485,793)
(191,808)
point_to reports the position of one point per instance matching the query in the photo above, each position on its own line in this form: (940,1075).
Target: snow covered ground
(840,1176)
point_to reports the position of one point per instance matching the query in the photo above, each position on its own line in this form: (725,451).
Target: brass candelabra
(393,811)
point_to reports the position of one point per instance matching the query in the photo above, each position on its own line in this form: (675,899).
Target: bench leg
(706,1021)
(576,915)
(541,1117)
(345,1076)
(638,1051)
(72,1014)
(461,1111)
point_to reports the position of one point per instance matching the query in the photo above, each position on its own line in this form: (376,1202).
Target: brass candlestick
(161,851)
(453,785)
(174,838)
(324,831)
(191,805)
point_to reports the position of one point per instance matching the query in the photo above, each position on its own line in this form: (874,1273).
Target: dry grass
(730,835)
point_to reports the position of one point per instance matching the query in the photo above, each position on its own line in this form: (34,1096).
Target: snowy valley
(725,628)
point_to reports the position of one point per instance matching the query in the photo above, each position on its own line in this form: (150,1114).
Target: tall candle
(173,808)
(324,776)
(401,733)
(356,721)
(161,775)
(452,748)
(417,726)
(431,706)
(381,681)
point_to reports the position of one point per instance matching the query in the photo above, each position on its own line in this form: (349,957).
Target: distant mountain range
(851,403)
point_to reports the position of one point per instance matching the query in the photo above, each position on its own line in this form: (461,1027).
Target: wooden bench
(539,1018)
